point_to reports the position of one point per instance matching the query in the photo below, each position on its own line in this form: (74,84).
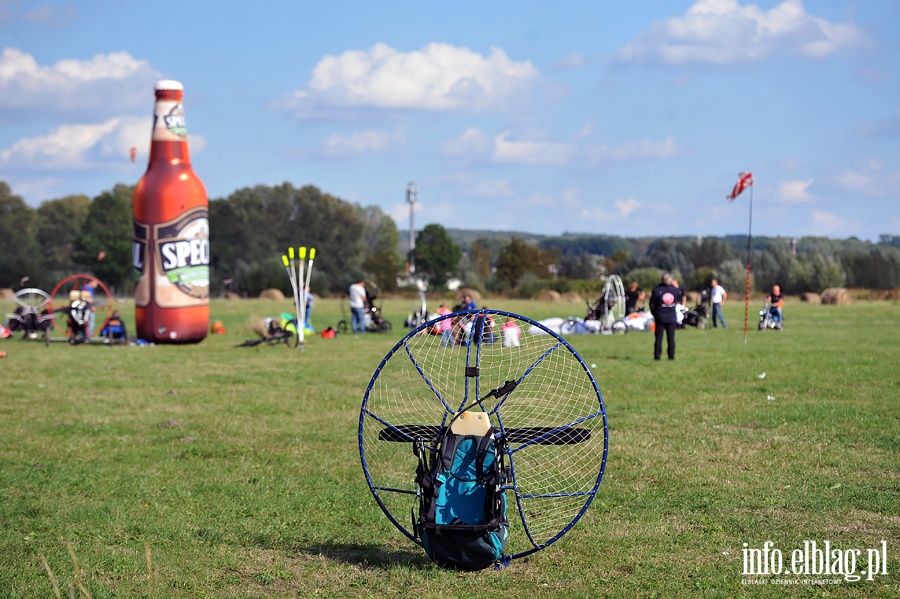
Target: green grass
(235,472)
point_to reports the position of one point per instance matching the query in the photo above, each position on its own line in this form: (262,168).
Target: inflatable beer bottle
(171,232)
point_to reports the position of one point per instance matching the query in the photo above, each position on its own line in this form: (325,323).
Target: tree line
(254,226)
(581,262)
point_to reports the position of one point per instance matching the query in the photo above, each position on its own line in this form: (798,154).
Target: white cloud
(790,163)
(400,213)
(52,15)
(82,146)
(887,128)
(794,191)
(626,207)
(79,86)
(39,187)
(492,189)
(725,32)
(644,149)
(567,199)
(530,152)
(825,223)
(361,142)
(439,77)
(471,141)
(572,61)
(586,130)
(869,179)
(595,215)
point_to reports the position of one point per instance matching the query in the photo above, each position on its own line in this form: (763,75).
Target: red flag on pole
(745,180)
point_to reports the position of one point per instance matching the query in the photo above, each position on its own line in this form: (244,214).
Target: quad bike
(767,318)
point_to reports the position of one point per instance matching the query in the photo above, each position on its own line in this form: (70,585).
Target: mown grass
(216,471)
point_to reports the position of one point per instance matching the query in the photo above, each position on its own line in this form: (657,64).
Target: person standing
(310,301)
(632,296)
(445,326)
(357,293)
(718,297)
(663,302)
(87,295)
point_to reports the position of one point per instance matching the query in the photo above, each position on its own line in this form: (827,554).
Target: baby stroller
(375,322)
(767,318)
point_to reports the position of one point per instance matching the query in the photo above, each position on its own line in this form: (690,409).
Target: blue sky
(624,118)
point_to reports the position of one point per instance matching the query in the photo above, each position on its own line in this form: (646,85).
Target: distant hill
(579,243)
(466,237)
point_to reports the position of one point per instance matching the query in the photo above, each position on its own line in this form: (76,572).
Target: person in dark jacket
(632,296)
(663,300)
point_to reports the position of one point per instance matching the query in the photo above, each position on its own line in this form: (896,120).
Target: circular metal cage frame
(534,388)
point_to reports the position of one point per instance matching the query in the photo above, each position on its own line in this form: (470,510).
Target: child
(445,325)
(510,333)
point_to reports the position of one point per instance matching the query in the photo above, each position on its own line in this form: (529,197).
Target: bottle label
(182,260)
(138,254)
(168,121)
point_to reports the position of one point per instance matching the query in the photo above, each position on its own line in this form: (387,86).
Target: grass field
(216,471)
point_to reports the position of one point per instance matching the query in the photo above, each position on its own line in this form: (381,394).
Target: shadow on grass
(369,555)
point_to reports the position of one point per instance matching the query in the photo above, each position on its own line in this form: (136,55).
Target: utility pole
(411,196)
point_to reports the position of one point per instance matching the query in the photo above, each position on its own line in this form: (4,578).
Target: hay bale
(836,296)
(572,297)
(692,297)
(231,295)
(811,298)
(258,326)
(549,295)
(271,294)
(6,293)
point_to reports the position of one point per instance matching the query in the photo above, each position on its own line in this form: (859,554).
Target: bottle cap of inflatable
(169,84)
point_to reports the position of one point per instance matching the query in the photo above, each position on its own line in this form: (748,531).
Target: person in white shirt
(357,293)
(718,297)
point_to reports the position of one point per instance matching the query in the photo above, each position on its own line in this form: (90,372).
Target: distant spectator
(357,294)
(445,326)
(632,297)
(663,302)
(87,295)
(309,308)
(718,296)
(114,331)
(510,333)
